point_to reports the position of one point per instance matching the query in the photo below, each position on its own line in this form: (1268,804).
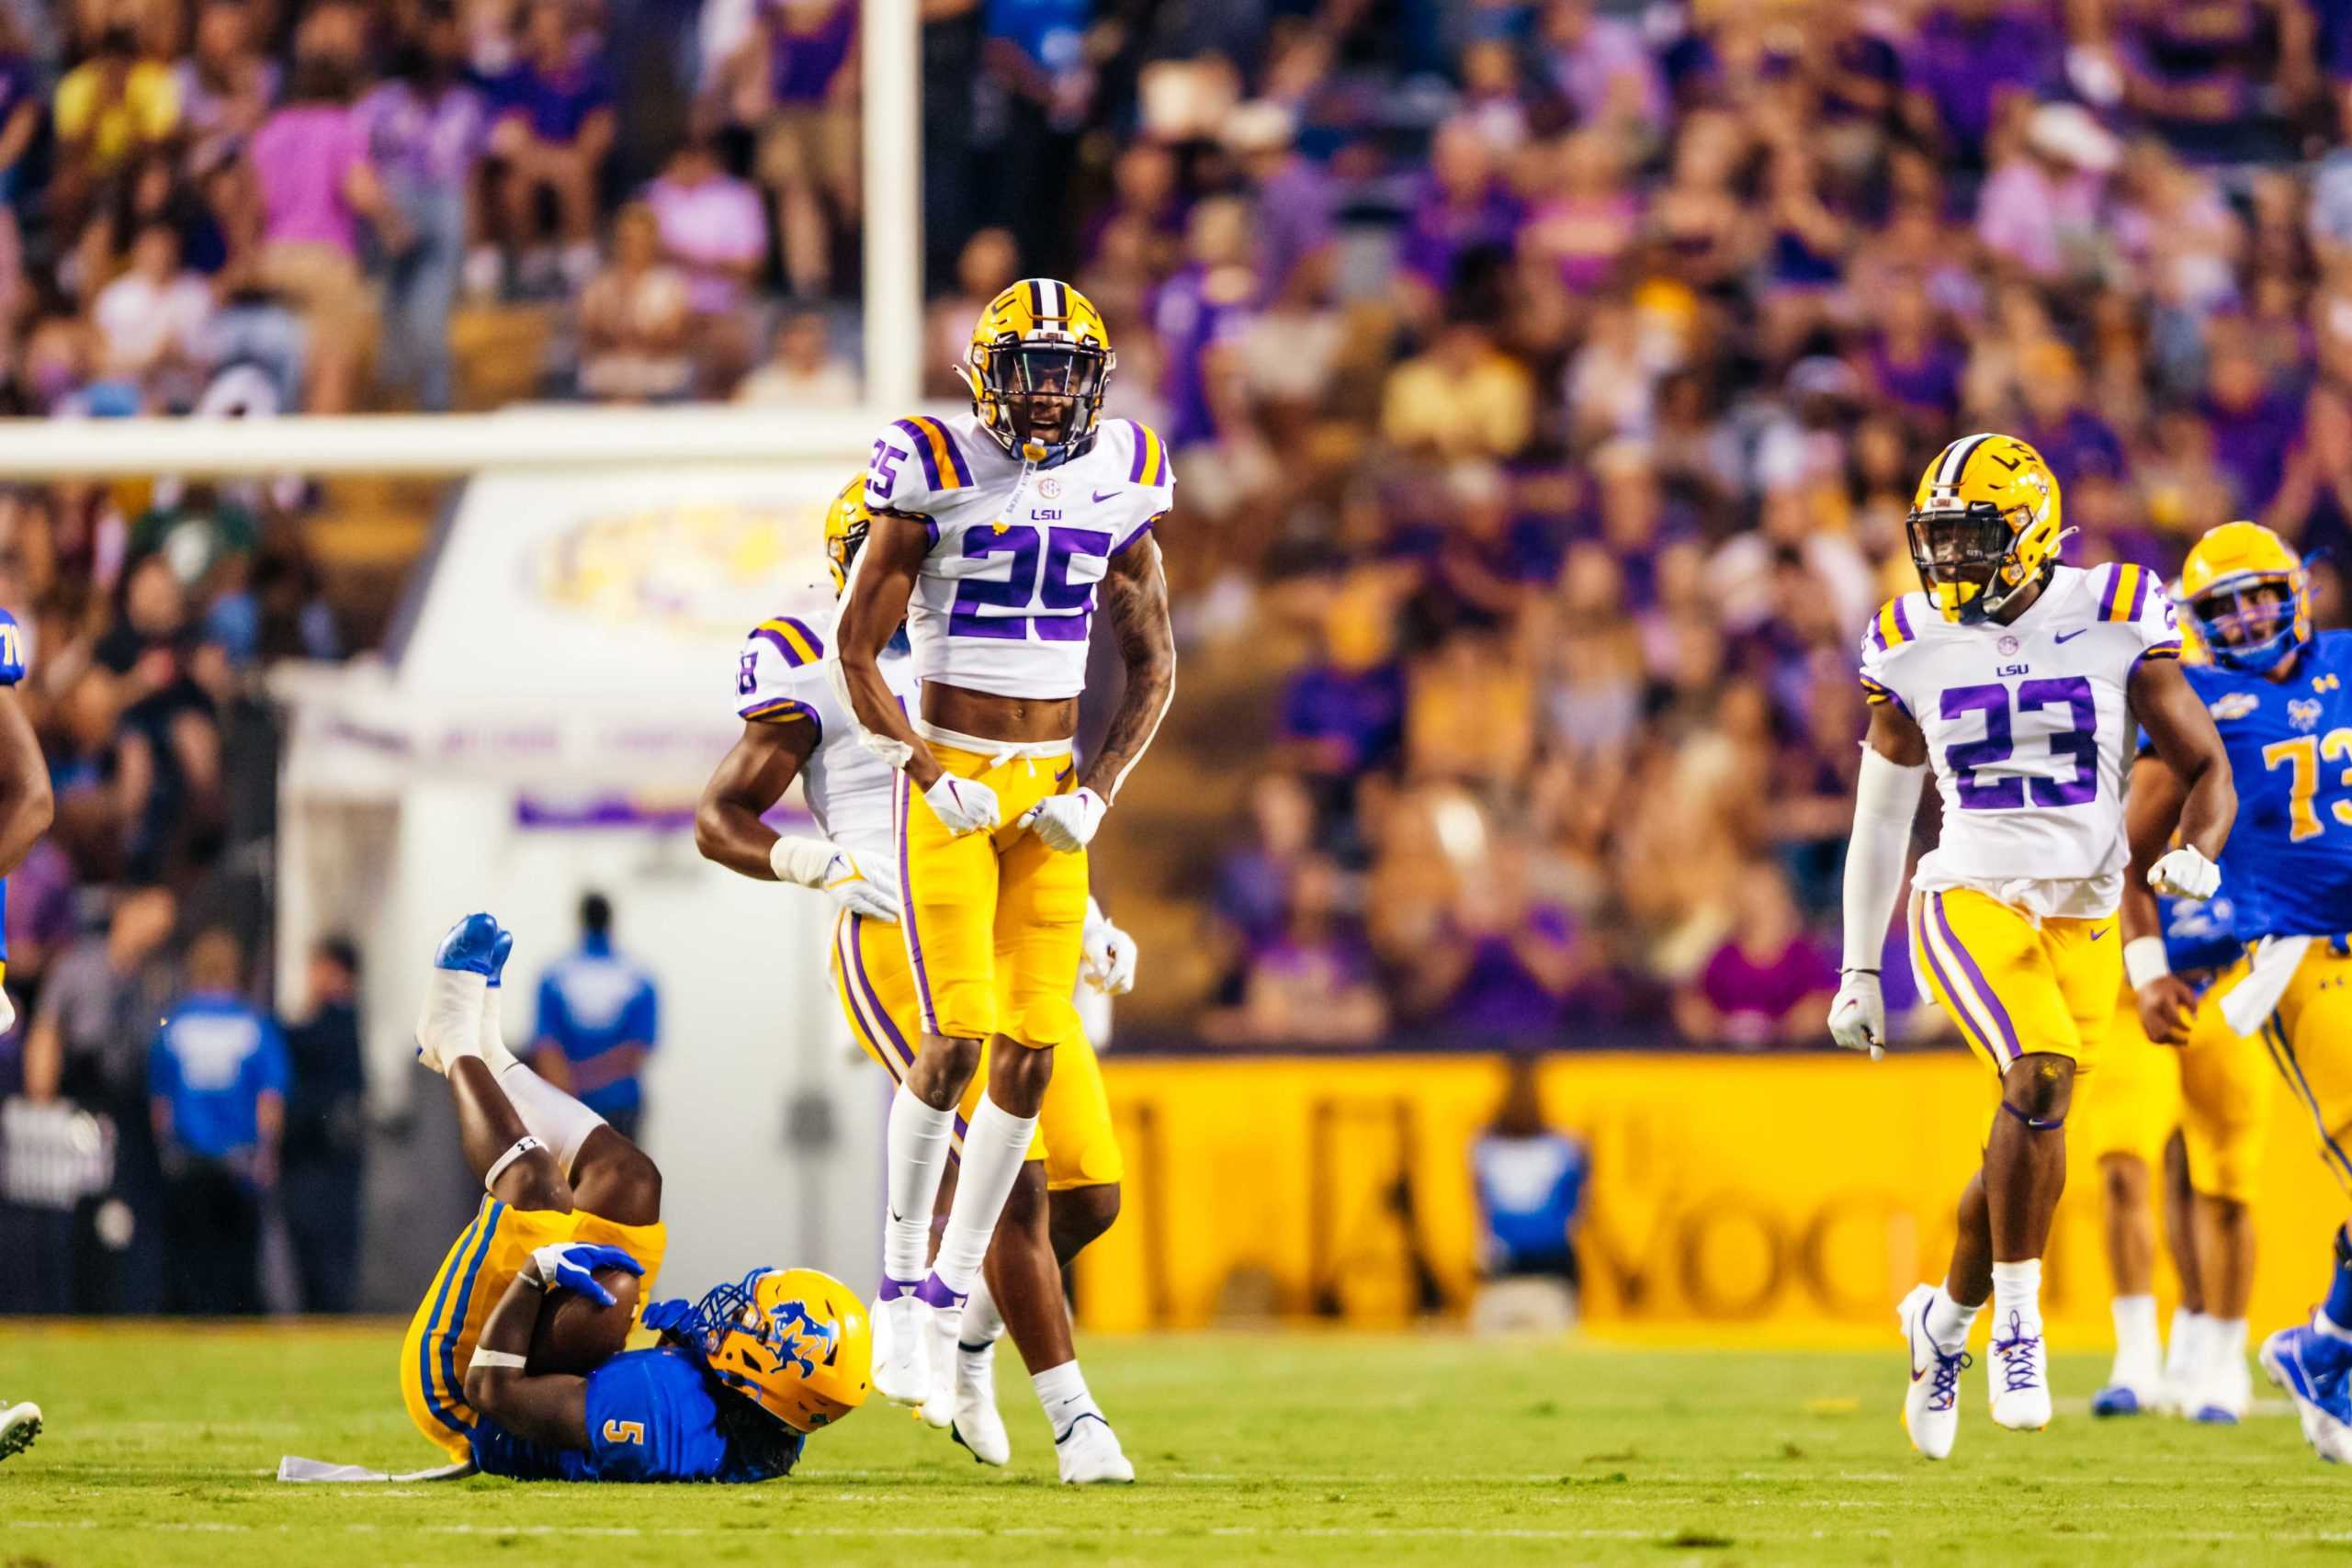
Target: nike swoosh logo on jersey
(1102,495)
(2065,636)
(2096,935)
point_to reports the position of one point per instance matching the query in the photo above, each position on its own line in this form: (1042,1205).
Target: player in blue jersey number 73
(2277,691)
(2017,681)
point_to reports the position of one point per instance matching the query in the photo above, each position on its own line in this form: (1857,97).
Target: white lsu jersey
(782,677)
(1006,596)
(2029,731)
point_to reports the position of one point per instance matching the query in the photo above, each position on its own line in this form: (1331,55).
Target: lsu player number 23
(994,534)
(2018,681)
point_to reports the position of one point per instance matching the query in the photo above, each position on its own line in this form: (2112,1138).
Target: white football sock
(983,1325)
(995,1145)
(1948,1322)
(2017,1289)
(918,1158)
(2226,1349)
(2136,1332)
(557,1120)
(492,1033)
(1062,1391)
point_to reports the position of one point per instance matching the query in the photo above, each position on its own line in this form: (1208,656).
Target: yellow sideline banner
(1790,1200)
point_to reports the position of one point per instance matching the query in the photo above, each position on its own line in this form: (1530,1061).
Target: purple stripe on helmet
(1902,619)
(906,803)
(955,455)
(1135,469)
(2139,592)
(921,442)
(1976,978)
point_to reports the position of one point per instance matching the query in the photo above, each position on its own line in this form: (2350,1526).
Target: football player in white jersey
(2020,681)
(795,726)
(993,533)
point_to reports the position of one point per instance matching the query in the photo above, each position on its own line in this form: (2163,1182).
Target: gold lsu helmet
(1984,524)
(1039,338)
(795,1341)
(846,524)
(2247,597)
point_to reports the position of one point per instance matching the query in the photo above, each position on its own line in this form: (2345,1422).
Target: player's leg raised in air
(543,1158)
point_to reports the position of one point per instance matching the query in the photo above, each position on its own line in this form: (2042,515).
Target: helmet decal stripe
(1956,458)
(1038,299)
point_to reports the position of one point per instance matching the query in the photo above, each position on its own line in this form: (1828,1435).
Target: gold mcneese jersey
(2029,731)
(1006,596)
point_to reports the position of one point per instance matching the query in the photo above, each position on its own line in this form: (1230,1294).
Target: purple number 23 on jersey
(2009,792)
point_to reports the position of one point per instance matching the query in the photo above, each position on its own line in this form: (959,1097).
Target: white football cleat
(1931,1408)
(1091,1455)
(20,1424)
(943,1327)
(2020,1370)
(2134,1385)
(2222,1392)
(979,1425)
(901,1347)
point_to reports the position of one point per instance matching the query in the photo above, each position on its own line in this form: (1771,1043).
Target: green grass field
(1422,1448)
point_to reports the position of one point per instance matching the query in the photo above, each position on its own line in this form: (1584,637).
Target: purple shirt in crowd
(2251,444)
(1752,997)
(801,66)
(556,103)
(706,227)
(1929,384)
(1441,231)
(1965,66)
(1365,710)
(1498,997)
(2081,444)
(301,156)
(424,142)
(1191,322)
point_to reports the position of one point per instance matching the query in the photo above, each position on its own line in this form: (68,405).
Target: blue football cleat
(2323,1398)
(500,951)
(472,947)
(2117,1400)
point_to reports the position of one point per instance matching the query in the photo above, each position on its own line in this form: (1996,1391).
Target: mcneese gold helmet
(1039,366)
(1984,524)
(846,524)
(2247,597)
(793,1341)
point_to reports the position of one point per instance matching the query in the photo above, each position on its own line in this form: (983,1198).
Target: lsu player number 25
(2017,681)
(994,535)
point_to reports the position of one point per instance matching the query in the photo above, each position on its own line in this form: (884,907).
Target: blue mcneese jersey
(652,1416)
(2200,934)
(2289,864)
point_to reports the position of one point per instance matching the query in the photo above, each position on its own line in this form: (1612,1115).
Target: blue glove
(676,1315)
(571,1265)
(498,955)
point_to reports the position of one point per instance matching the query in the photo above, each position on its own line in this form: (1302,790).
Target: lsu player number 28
(2018,680)
(994,535)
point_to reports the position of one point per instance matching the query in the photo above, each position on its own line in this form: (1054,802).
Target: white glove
(963,805)
(2185,874)
(1108,962)
(824,865)
(1858,1017)
(1065,821)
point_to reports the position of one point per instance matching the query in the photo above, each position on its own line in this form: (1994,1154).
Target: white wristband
(2144,960)
(801,859)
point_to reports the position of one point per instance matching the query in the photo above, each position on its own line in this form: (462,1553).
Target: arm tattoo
(1135,596)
